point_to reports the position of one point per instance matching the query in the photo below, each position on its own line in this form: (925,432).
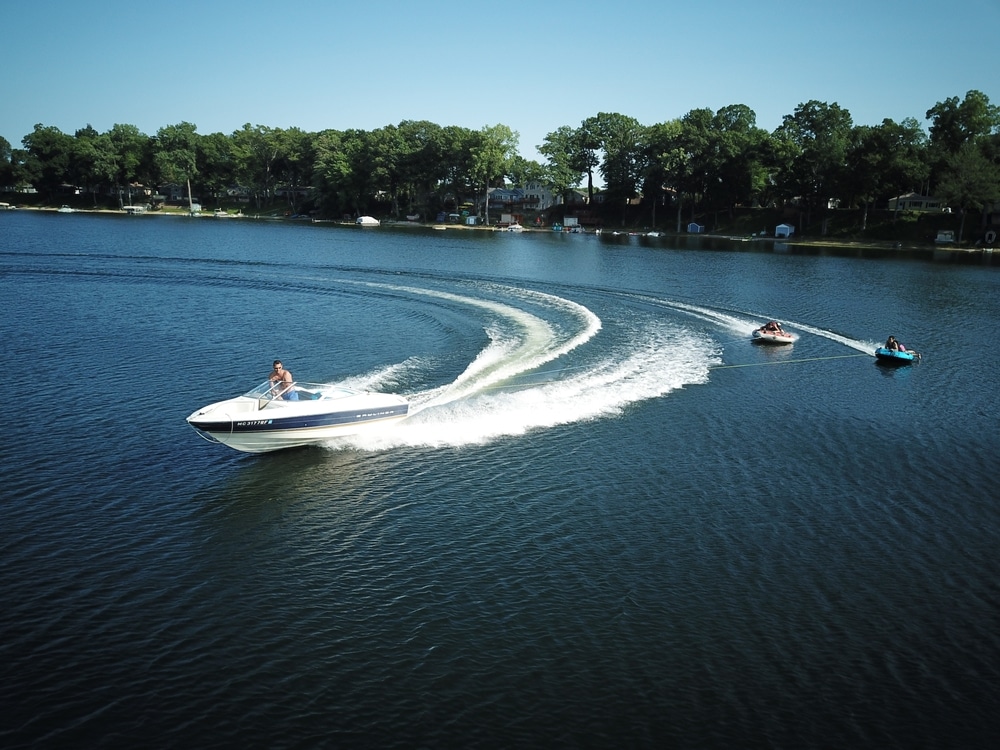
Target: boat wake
(744,323)
(544,365)
(866,346)
(550,361)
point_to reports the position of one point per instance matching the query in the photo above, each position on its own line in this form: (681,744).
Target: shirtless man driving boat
(282,380)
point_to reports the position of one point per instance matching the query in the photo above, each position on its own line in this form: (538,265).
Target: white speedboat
(275,416)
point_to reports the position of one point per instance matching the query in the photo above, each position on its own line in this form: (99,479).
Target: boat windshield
(297,391)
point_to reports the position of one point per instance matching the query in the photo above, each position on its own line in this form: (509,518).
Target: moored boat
(287,415)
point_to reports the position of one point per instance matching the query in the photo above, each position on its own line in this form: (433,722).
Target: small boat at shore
(772,333)
(895,356)
(287,415)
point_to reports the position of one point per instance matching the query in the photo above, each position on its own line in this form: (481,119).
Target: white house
(914,202)
(784,230)
(537,196)
(695,228)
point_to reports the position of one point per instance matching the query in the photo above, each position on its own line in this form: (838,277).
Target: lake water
(610,520)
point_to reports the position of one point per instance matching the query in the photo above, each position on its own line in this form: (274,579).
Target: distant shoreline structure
(652,234)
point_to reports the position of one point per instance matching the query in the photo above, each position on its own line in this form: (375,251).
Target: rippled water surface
(610,520)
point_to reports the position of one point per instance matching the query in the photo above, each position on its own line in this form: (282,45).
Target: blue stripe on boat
(304,421)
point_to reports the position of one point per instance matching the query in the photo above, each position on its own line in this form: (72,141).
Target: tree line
(702,162)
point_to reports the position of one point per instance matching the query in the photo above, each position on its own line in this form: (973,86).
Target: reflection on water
(892,370)
(610,516)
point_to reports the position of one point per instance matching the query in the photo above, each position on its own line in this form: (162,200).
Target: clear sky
(533,66)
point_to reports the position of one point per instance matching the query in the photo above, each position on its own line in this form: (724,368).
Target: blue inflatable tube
(894,356)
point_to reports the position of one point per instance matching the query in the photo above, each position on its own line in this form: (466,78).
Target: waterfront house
(537,196)
(915,202)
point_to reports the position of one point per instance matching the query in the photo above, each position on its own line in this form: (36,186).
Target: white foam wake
(499,393)
(746,323)
(659,364)
(489,400)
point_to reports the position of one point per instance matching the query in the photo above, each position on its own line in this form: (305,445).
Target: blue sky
(531,66)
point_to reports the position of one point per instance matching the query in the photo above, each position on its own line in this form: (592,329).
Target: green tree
(330,171)
(694,168)
(621,140)
(177,155)
(216,165)
(585,152)
(659,177)
(955,123)
(6,164)
(92,161)
(668,162)
(458,147)
(293,167)
(24,169)
(388,152)
(256,149)
(491,157)
(822,133)
(883,161)
(740,150)
(970,179)
(522,171)
(360,184)
(51,150)
(15,171)
(422,166)
(128,151)
(566,162)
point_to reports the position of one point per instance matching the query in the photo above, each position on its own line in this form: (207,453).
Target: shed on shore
(784,230)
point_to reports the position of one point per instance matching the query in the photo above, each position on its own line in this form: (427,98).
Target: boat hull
(242,425)
(894,357)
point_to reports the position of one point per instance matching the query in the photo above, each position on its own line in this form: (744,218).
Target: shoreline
(652,234)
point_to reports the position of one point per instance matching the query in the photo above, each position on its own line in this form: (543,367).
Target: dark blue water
(611,521)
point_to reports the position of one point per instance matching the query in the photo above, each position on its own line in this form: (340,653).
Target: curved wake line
(868,347)
(660,361)
(525,343)
(747,325)
(484,403)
